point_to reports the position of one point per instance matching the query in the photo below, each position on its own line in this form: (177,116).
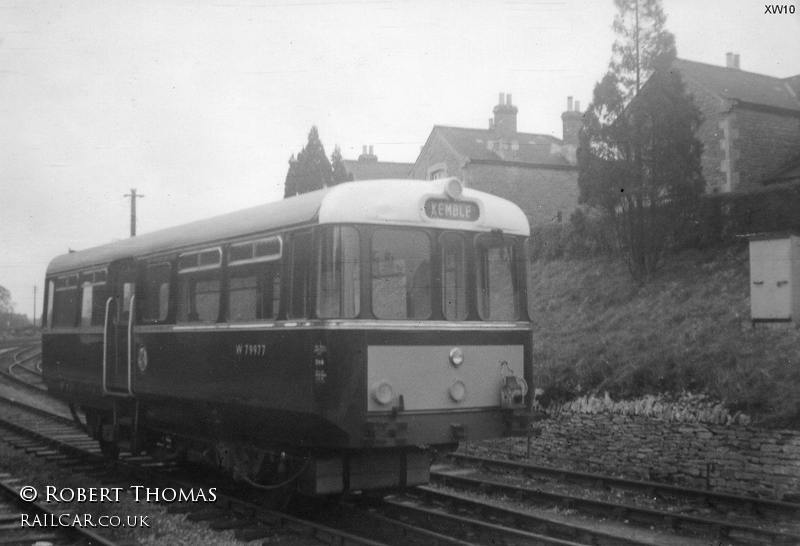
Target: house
(367,167)
(751,124)
(535,171)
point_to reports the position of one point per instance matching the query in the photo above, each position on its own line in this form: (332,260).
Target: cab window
(496,290)
(299,266)
(338,273)
(454,276)
(401,274)
(65,301)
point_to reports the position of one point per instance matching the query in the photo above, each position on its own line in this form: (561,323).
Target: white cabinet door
(770,279)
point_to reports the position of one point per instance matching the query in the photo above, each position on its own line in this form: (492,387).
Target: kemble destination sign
(446,209)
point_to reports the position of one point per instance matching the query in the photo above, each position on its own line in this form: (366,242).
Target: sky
(199,104)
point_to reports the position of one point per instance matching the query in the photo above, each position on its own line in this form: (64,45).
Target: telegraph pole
(133,195)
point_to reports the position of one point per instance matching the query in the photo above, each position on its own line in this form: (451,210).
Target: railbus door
(118,333)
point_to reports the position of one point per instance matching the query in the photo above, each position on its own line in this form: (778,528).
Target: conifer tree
(639,158)
(339,172)
(290,185)
(313,170)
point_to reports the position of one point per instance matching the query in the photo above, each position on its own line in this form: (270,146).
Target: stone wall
(542,193)
(707,450)
(437,153)
(711,133)
(767,141)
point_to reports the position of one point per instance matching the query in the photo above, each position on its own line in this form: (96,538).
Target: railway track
(58,440)
(723,502)
(19,520)
(24,366)
(465,505)
(664,507)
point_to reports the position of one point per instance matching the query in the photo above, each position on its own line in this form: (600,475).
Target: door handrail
(105,348)
(128,391)
(131,320)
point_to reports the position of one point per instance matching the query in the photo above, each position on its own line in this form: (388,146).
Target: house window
(437,171)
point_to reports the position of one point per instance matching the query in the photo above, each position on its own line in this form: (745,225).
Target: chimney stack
(367,154)
(505,117)
(732,60)
(571,123)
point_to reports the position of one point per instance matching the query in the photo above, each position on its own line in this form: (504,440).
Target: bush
(722,218)
(586,234)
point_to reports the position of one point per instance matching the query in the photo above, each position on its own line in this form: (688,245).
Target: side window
(299,265)
(155,306)
(94,292)
(86,303)
(254,279)
(338,273)
(401,274)
(199,286)
(454,277)
(65,301)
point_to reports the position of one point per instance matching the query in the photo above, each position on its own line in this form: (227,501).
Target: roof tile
(733,83)
(524,148)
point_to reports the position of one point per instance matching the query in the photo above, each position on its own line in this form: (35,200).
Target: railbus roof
(383,202)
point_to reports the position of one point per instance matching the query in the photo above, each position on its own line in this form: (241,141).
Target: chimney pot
(736,60)
(569,103)
(729,59)
(508,99)
(501,99)
(364,149)
(577,106)
(370,149)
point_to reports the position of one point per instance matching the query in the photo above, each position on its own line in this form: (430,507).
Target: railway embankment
(668,380)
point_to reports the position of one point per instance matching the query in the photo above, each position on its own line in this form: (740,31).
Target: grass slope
(689,329)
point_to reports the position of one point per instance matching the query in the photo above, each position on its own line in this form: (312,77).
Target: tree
(312,170)
(638,157)
(339,172)
(6,308)
(6,305)
(290,185)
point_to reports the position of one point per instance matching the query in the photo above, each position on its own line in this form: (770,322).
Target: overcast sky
(199,105)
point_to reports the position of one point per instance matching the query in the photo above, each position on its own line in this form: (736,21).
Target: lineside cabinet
(775,278)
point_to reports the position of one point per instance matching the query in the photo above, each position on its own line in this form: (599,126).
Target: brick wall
(731,458)
(767,141)
(541,193)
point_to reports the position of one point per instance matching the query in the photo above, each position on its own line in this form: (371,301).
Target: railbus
(331,340)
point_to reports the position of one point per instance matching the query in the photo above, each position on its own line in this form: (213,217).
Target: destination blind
(445,209)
